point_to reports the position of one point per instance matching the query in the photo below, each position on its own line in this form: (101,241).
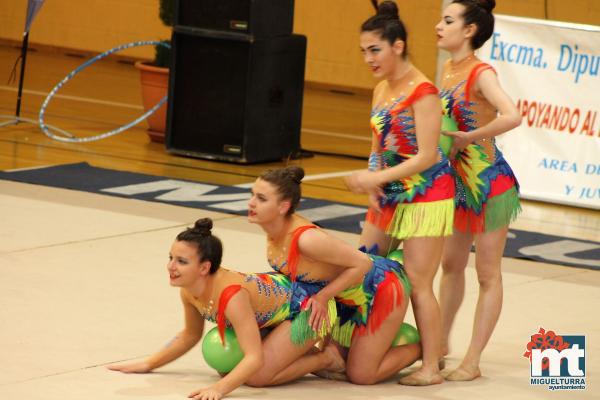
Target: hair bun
(388,9)
(203,226)
(295,173)
(487,5)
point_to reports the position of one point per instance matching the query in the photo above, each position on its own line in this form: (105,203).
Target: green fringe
(302,331)
(430,219)
(501,210)
(343,334)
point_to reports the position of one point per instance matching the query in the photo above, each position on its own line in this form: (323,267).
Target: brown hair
(209,247)
(479,13)
(287,181)
(387,23)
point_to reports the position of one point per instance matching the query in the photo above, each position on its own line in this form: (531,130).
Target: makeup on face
(183,258)
(450,30)
(378,54)
(264,202)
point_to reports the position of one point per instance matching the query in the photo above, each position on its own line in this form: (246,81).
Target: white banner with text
(551,71)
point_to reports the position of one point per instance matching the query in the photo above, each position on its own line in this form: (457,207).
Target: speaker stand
(17,119)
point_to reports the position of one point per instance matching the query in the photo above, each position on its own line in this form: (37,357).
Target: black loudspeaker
(259,18)
(235,100)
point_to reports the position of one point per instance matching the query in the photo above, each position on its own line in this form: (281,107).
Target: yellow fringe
(301,331)
(343,334)
(427,219)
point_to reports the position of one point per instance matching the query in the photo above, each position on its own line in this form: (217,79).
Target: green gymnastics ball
(222,358)
(397,255)
(448,125)
(407,334)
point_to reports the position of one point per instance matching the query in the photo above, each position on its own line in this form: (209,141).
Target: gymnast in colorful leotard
(245,302)
(371,292)
(409,181)
(486,188)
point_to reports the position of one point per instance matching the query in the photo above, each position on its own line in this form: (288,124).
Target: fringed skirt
(430,214)
(488,200)
(363,308)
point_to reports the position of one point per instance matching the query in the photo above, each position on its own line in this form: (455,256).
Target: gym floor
(83,281)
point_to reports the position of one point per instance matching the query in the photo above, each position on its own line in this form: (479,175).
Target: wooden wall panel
(91,25)
(579,11)
(330,25)
(332,28)
(527,8)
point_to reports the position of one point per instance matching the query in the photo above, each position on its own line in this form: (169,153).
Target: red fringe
(359,331)
(381,220)
(226,295)
(479,68)
(294,253)
(384,303)
(468,221)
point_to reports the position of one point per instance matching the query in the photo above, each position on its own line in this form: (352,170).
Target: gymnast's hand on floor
(209,393)
(139,367)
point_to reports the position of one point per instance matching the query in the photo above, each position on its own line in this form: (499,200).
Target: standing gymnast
(245,302)
(371,291)
(409,181)
(486,189)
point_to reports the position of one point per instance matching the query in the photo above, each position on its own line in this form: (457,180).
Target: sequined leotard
(417,205)
(270,297)
(486,187)
(361,308)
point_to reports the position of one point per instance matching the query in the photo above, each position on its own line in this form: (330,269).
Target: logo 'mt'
(554,360)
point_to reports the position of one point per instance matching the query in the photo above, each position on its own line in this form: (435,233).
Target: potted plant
(154,78)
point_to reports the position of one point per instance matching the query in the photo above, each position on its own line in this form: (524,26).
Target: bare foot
(462,374)
(336,365)
(422,378)
(336,361)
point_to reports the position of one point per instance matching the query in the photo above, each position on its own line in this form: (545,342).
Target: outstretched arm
(179,345)
(241,315)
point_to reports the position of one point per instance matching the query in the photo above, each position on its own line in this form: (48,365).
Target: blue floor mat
(231,199)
